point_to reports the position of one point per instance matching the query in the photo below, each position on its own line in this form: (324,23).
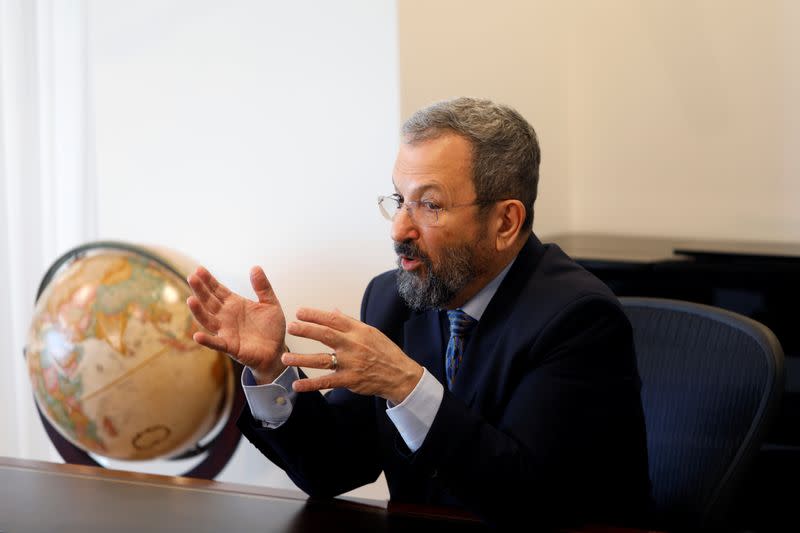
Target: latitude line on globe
(125,375)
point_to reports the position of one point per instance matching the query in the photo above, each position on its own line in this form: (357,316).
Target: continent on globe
(111,358)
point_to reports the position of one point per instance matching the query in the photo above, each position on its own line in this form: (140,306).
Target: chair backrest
(711,381)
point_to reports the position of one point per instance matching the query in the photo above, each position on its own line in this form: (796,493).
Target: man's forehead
(440,164)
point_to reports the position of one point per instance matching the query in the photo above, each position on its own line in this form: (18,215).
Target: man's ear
(509,217)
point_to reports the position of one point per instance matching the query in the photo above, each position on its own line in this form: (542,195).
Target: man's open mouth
(409,262)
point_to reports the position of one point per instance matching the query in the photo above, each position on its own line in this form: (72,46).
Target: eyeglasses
(423,212)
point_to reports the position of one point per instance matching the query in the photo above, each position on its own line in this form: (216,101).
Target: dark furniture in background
(760,280)
(711,380)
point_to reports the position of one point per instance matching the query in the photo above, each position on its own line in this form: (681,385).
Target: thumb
(261,286)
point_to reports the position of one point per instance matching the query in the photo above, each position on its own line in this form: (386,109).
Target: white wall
(46,186)
(655,118)
(250,132)
(686,118)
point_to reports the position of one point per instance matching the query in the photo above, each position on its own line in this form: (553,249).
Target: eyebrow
(421,189)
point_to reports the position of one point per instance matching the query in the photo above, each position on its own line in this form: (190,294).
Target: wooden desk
(43,497)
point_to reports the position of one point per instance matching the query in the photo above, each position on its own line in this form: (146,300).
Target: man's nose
(403,227)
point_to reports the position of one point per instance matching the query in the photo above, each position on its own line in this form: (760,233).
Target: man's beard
(439,285)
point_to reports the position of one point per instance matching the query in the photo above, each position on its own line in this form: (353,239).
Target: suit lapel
(422,341)
(477,364)
(479,368)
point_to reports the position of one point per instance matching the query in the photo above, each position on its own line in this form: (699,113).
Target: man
(489,372)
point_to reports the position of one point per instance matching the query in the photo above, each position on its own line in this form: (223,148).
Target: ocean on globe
(111,358)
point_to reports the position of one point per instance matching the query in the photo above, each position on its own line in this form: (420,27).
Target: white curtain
(47,188)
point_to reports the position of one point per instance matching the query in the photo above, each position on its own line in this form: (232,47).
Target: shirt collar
(476,305)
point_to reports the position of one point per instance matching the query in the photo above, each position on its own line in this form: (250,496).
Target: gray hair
(505,150)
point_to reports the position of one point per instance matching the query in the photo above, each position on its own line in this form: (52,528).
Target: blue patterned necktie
(460,325)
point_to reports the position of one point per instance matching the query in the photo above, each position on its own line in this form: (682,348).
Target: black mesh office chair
(711,380)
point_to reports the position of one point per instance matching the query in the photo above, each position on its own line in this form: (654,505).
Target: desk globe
(114,370)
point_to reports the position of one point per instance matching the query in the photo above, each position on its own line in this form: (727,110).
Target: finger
(200,313)
(262,286)
(210,341)
(215,287)
(203,294)
(328,381)
(327,336)
(322,361)
(333,319)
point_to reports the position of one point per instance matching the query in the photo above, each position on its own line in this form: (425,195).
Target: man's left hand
(367,361)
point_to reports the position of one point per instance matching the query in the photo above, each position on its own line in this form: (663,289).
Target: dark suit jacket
(544,422)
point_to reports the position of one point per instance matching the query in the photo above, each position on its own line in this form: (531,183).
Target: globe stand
(219,449)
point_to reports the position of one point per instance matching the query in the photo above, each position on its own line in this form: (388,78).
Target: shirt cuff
(272,403)
(413,417)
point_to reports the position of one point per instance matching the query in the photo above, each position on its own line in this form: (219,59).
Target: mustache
(410,250)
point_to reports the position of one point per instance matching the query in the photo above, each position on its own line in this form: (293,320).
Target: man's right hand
(251,332)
